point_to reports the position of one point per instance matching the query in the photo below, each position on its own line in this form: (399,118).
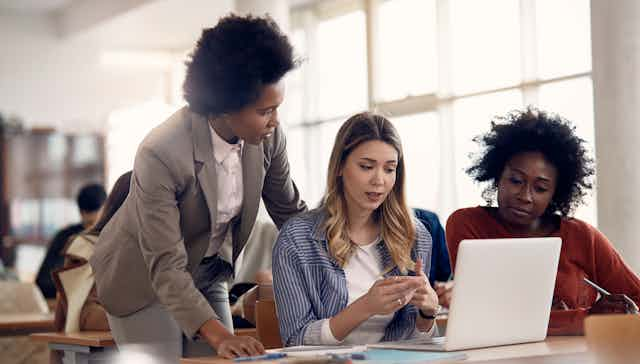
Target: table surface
(554,350)
(98,339)
(17,324)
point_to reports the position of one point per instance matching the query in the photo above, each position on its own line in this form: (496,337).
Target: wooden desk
(98,339)
(549,351)
(19,324)
(554,350)
(578,358)
(80,347)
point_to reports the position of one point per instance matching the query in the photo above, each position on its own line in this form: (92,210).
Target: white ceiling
(172,25)
(126,24)
(166,25)
(32,6)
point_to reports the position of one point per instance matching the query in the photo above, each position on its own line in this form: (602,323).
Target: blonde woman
(353,271)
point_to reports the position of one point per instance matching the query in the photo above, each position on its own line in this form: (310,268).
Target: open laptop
(502,295)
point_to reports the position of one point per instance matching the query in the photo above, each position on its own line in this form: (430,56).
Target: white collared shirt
(228,162)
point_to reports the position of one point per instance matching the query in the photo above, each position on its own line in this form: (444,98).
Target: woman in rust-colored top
(538,171)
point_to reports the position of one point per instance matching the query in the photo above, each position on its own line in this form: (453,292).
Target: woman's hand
(444,291)
(228,345)
(389,295)
(236,346)
(614,303)
(424,298)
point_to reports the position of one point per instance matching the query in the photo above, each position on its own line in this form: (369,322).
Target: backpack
(77,305)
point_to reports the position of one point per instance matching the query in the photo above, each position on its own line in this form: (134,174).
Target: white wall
(616,76)
(48,81)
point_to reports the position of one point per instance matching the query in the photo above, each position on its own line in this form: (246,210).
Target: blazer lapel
(203,155)
(252,179)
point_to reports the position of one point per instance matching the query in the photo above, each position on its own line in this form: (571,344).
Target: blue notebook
(385,356)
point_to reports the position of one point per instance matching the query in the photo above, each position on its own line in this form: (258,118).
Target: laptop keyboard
(420,341)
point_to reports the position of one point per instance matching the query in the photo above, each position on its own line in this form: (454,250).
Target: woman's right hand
(444,291)
(235,346)
(390,294)
(228,345)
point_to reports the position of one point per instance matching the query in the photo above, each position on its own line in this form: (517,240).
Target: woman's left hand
(425,298)
(614,303)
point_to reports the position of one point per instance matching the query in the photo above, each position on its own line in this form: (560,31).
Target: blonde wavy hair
(397,227)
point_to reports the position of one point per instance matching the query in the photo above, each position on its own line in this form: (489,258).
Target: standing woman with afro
(161,264)
(538,171)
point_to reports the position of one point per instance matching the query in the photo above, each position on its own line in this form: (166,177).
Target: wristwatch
(429,317)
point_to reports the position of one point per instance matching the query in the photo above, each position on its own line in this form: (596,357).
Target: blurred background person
(89,200)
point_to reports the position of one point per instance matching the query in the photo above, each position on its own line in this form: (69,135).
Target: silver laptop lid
(503,292)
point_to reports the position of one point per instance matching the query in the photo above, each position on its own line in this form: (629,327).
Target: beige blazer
(150,248)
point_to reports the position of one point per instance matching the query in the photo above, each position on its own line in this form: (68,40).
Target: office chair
(267,327)
(613,339)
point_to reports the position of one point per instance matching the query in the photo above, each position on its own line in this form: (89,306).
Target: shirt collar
(221,148)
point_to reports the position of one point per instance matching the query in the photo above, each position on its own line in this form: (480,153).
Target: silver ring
(400,301)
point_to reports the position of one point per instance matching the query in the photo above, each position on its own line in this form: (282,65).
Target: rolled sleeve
(326,335)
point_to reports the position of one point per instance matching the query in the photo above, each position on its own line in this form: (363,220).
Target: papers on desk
(405,356)
(381,356)
(316,350)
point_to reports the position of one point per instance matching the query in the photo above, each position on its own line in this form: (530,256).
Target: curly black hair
(532,130)
(233,61)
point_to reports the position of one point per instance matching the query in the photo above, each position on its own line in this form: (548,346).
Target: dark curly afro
(233,61)
(532,130)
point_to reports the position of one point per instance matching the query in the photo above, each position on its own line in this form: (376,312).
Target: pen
(322,359)
(295,349)
(270,356)
(353,356)
(602,291)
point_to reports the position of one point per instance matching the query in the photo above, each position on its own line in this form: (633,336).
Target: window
(486,49)
(341,65)
(127,128)
(407,41)
(441,70)
(293,108)
(564,37)
(420,135)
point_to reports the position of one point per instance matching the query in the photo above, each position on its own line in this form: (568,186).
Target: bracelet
(426,317)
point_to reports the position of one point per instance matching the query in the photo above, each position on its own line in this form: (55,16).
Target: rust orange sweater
(585,252)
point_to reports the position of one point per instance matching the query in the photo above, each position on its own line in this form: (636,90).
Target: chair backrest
(21,297)
(613,338)
(266,319)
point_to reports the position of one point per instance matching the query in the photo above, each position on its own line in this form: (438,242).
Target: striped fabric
(310,286)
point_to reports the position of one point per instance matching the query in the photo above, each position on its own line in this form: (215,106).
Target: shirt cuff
(432,332)
(326,335)
(313,333)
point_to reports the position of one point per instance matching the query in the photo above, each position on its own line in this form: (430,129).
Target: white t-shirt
(362,270)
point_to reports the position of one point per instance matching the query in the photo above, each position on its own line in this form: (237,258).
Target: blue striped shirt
(310,286)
